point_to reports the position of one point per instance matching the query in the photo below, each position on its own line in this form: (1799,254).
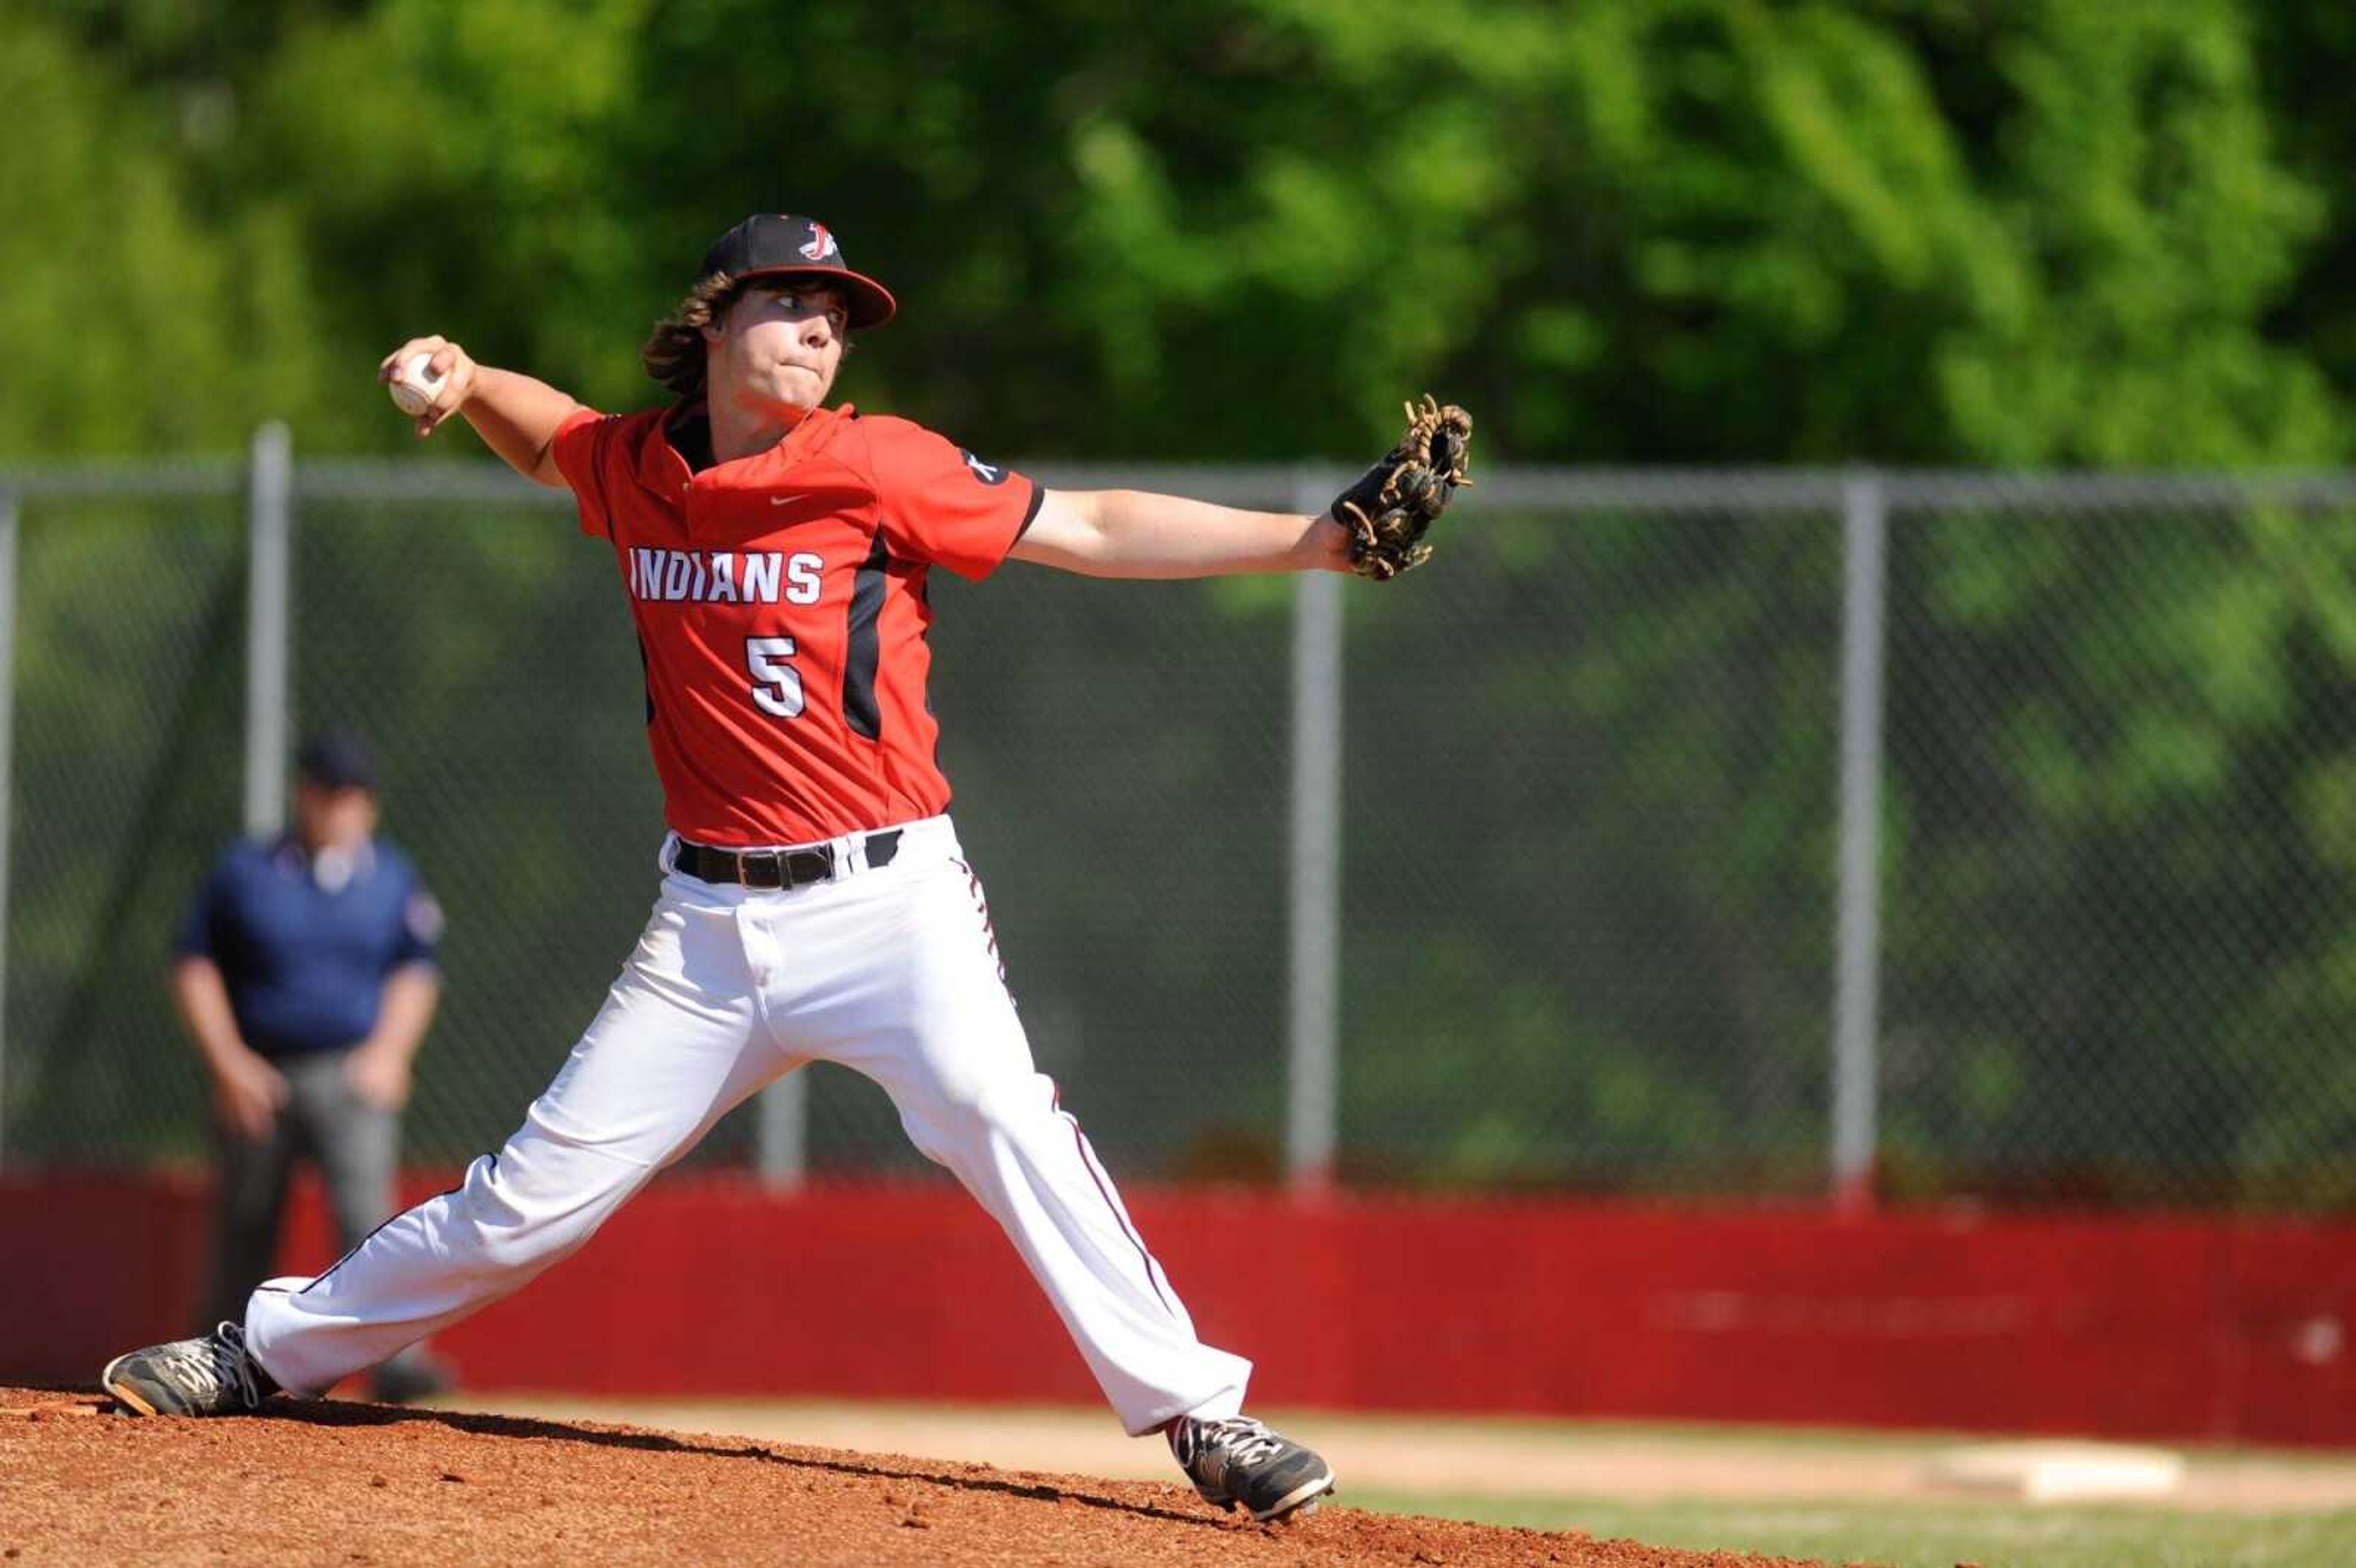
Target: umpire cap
(338,760)
(774,244)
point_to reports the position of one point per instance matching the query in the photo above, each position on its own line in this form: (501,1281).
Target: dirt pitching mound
(337,1482)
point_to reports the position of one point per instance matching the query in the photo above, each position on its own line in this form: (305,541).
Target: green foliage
(1633,230)
(134,324)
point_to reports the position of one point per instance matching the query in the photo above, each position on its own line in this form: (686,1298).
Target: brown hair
(673,354)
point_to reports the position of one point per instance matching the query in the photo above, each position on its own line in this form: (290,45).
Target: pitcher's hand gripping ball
(414,387)
(1387,510)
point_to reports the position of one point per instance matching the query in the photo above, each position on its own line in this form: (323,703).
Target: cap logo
(821,243)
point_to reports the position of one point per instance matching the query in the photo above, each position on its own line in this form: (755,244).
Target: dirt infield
(351,1483)
(1461,1456)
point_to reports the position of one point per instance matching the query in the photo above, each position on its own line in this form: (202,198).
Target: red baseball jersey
(781,611)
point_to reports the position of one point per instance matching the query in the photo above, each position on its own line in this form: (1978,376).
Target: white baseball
(415,386)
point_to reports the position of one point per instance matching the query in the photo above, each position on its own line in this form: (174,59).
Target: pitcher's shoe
(1239,1460)
(207,1376)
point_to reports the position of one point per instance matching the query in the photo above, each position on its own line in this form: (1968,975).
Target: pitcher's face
(779,346)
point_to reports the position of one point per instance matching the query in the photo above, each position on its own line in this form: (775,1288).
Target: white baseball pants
(890,970)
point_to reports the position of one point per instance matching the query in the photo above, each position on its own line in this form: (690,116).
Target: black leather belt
(776,867)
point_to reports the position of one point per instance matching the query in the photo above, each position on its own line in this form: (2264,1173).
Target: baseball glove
(1387,510)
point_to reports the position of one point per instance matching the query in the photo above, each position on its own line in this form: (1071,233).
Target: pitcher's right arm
(516,416)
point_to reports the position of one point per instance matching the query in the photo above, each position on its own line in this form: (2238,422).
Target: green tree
(1647,230)
(137,324)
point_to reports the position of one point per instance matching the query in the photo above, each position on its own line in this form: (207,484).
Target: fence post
(1865,539)
(781,1135)
(269,526)
(8,514)
(1311,1058)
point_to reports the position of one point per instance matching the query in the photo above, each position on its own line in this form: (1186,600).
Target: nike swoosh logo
(787,500)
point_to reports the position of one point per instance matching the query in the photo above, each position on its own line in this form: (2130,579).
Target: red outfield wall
(2166,1326)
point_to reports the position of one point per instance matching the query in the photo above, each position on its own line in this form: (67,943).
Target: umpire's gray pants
(356,1147)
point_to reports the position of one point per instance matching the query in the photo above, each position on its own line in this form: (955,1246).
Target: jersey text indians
(724,576)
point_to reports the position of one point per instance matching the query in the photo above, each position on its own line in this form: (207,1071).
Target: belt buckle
(768,862)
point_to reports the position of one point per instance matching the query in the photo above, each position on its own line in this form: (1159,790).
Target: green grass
(1926,1536)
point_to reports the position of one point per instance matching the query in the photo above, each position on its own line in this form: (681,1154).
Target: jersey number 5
(776,684)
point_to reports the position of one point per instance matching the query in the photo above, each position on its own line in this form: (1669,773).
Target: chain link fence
(1590,821)
(128,666)
(1589,809)
(2120,963)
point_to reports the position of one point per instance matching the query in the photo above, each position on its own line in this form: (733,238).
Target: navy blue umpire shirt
(306,951)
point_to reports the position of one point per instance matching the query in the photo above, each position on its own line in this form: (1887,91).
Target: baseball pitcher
(814,902)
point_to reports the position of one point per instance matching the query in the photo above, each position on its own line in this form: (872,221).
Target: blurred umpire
(306,974)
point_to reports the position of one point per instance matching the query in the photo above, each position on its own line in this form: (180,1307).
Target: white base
(2061,1472)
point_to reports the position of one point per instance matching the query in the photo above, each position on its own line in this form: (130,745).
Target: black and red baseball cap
(770,244)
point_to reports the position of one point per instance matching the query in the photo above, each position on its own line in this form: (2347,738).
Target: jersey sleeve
(583,443)
(420,941)
(199,933)
(942,504)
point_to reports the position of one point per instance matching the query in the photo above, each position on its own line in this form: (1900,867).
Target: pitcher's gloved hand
(1387,510)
